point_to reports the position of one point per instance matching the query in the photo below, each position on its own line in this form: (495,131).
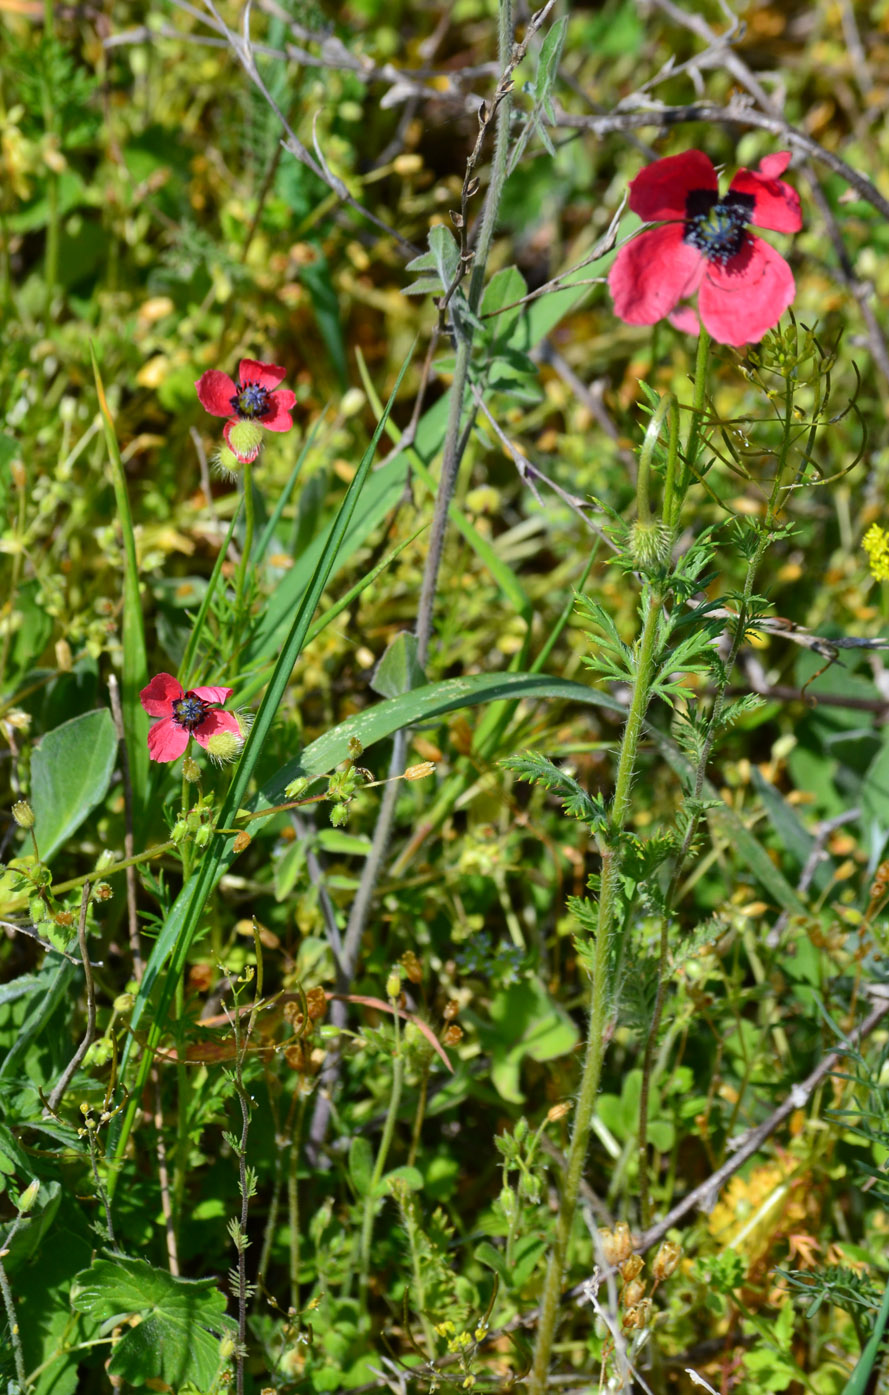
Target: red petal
(167,740)
(741,300)
(652,273)
(267,375)
(776,204)
(213,694)
(660,190)
(215,391)
(279,418)
(685,319)
(160,693)
(245,459)
(214,722)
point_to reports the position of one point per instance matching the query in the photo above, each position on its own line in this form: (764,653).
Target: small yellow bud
(393,987)
(23,814)
(666,1260)
(191,771)
(558,1111)
(124,1003)
(617,1244)
(632,1268)
(633,1293)
(28,1197)
(419,772)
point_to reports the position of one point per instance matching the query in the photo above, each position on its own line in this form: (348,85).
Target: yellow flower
(876,544)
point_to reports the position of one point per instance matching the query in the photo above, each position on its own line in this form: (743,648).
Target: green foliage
(566,875)
(179,1335)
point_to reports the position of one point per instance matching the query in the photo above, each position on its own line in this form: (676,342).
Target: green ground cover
(445,789)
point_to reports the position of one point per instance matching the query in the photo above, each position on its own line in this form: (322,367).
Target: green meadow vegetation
(444,607)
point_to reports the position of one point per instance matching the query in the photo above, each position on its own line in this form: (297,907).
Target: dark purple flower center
(251,401)
(716,226)
(189,711)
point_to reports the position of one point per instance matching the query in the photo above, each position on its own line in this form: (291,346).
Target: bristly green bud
(179,830)
(23,814)
(339,815)
(649,545)
(191,771)
(355,748)
(203,835)
(223,747)
(296,787)
(227,464)
(245,440)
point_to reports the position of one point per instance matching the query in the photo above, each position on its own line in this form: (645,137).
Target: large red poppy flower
(183,715)
(744,286)
(255,398)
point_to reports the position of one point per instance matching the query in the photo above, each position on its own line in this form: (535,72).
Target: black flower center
(251,401)
(716,225)
(189,711)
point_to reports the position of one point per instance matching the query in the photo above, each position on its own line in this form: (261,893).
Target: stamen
(716,226)
(251,401)
(189,711)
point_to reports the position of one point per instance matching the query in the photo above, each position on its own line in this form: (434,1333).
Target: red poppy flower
(253,399)
(183,715)
(744,286)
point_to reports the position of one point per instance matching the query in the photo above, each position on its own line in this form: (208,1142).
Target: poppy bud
(245,440)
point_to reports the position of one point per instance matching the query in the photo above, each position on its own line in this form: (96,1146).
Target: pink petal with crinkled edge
(267,375)
(279,418)
(213,694)
(739,302)
(167,740)
(214,722)
(776,203)
(659,191)
(652,273)
(215,391)
(685,319)
(163,690)
(245,458)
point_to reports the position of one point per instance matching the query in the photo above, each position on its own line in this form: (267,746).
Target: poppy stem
(244,566)
(692,450)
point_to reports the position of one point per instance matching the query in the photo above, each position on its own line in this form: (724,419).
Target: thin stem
(58,1093)
(455,441)
(370,1199)
(702,364)
(293,1202)
(14,1334)
(596,1036)
(244,567)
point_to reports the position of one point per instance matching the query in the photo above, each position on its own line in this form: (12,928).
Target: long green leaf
(135,663)
(859,1380)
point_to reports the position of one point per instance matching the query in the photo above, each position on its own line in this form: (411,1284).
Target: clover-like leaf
(173,1326)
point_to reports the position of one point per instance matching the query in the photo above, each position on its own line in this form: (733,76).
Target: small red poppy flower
(254,401)
(183,715)
(744,285)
